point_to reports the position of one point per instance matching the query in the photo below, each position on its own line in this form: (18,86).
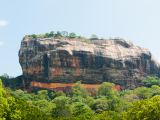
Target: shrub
(34,35)
(72,35)
(58,34)
(51,33)
(46,35)
(126,91)
(64,33)
(149,81)
(93,37)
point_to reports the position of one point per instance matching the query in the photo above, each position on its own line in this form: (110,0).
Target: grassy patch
(88,42)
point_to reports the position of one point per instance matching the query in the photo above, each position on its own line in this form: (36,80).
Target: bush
(64,33)
(126,91)
(94,37)
(72,35)
(51,33)
(46,35)
(34,35)
(149,81)
(58,34)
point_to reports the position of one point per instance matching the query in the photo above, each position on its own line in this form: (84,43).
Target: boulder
(68,60)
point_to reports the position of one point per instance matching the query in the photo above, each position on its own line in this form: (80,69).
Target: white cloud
(1,43)
(3,22)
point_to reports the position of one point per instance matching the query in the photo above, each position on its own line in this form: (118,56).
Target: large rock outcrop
(68,60)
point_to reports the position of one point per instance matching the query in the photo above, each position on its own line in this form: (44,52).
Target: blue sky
(134,20)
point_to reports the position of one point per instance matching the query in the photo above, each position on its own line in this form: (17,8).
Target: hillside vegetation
(108,104)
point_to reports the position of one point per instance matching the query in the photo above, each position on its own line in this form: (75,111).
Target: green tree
(106,115)
(72,35)
(60,93)
(46,35)
(51,33)
(61,109)
(100,105)
(9,81)
(43,94)
(126,91)
(79,109)
(94,36)
(148,109)
(142,92)
(149,81)
(79,90)
(64,33)
(52,95)
(59,34)
(13,108)
(34,35)
(106,89)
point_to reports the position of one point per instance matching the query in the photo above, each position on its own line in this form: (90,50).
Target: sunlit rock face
(68,60)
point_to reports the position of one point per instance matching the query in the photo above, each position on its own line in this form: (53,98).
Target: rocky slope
(67,60)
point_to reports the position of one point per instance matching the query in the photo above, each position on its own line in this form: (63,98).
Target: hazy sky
(134,20)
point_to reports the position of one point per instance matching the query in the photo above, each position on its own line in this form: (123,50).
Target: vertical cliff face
(68,60)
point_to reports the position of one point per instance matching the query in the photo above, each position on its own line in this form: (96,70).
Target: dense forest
(108,104)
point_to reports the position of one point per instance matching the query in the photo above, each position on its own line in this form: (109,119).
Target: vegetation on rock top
(65,34)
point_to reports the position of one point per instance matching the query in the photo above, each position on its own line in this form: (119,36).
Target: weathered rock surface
(68,60)
(34,87)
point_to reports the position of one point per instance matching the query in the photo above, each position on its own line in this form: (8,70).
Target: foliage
(61,109)
(64,33)
(155,90)
(129,97)
(58,34)
(106,115)
(147,109)
(16,108)
(105,89)
(52,95)
(88,42)
(126,91)
(72,35)
(10,81)
(79,90)
(149,81)
(46,35)
(94,36)
(81,37)
(79,109)
(142,92)
(51,33)
(34,35)
(59,44)
(77,104)
(100,105)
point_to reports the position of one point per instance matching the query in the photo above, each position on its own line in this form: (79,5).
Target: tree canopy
(94,36)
